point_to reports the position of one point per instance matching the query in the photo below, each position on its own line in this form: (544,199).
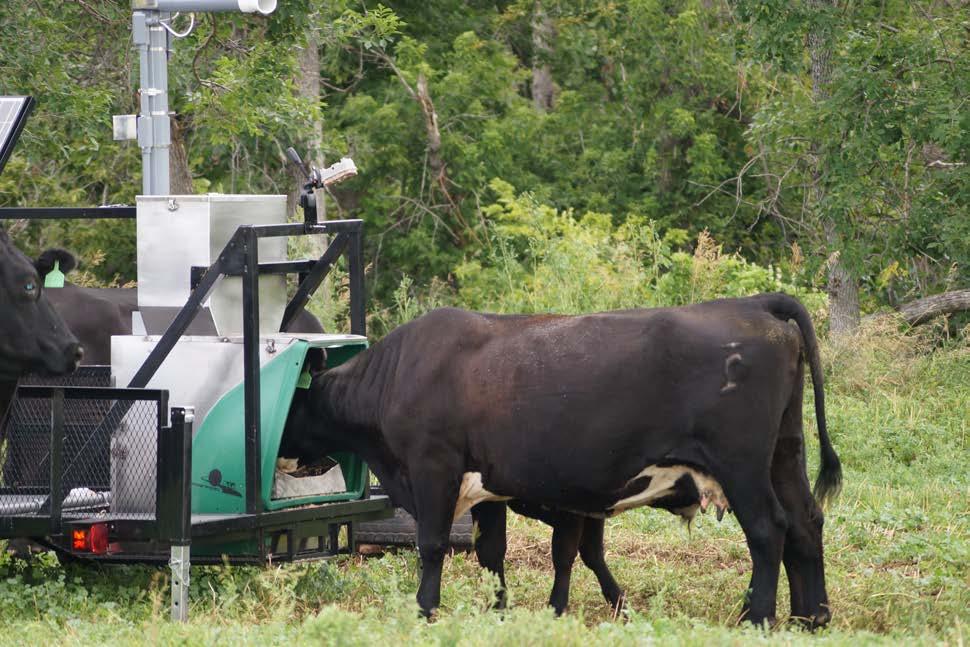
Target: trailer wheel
(400,530)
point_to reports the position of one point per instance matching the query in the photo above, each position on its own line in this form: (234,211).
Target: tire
(400,530)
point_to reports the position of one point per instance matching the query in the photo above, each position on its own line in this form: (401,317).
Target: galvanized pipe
(264,7)
(154,130)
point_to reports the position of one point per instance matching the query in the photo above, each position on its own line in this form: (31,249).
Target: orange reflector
(98,538)
(79,539)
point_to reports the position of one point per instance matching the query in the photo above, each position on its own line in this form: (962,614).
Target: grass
(897,542)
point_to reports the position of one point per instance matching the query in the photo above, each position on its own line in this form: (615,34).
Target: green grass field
(897,554)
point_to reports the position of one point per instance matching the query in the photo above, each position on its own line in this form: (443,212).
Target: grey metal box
(176,232)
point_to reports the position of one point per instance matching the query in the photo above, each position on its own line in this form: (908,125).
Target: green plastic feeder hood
(219,450)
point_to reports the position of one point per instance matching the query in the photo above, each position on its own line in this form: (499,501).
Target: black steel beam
(250,295)
(355,263)
(277,267)
(315,277)
(92,393)
(376,507)
(56,496)
(173,485)
(325,227)
(65,213)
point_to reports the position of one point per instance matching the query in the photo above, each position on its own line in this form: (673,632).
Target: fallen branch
(922,310)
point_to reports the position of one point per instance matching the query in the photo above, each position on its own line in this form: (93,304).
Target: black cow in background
(33,337)
(95,314)
(677,408)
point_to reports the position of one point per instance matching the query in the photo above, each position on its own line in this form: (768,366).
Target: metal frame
(174,439)
(169,535)
(240,257)
(6,148)
(66,213)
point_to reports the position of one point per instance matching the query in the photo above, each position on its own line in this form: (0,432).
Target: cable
(175,34)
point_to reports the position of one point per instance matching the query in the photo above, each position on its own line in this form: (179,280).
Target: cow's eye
(30,288)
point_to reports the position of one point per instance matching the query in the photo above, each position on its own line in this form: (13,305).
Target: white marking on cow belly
(662,481)
(473,492)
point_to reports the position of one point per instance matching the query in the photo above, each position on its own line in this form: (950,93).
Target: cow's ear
(45,262)
(316,361)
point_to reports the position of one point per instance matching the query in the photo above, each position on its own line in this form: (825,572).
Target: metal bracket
(180,564)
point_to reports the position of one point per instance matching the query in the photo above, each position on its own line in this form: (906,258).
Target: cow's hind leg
(803,542)
(592,552)
(803,557)
(763,521)
(490,543)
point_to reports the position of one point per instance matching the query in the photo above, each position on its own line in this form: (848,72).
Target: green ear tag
(54,278)
(304,381)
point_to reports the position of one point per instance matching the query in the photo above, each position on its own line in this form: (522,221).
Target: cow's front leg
(434,501)
(566,534)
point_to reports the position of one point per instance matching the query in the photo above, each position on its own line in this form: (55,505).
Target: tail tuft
(829,481)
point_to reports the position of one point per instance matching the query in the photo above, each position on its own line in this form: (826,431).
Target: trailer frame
(167,533)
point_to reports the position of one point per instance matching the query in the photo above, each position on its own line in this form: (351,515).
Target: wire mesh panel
(134,449)
(25,476)
(26,468)
(80,451)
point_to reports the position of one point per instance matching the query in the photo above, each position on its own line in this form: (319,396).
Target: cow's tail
(784,307)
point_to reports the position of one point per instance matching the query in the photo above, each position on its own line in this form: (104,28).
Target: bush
(538,259)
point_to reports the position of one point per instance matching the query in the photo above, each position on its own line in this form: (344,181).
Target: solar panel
(13,115)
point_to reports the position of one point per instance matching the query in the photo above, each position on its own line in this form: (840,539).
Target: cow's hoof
(820,619)
(764,622)
(618,605)
(813,622)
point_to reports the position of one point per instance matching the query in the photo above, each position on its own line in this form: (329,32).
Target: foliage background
(678,116)
(685,156)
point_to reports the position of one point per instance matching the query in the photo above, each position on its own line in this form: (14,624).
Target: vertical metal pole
(355,255)
(180,563)
(154,129)
(358,318)
(250,288)
(56,496)
(174,502)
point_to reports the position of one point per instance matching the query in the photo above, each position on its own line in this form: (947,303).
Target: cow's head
(301,434)
(33,337)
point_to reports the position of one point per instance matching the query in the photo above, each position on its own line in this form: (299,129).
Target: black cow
(95,314)
(33,337)
(678,408)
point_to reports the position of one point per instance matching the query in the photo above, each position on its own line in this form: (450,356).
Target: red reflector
(79,539)
(98,538)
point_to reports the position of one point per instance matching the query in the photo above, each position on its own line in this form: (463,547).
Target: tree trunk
(843,289)
(543,33)
(435,162)
(308,89)
(180,175)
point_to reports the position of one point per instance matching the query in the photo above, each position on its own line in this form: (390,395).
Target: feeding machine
(120,474)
